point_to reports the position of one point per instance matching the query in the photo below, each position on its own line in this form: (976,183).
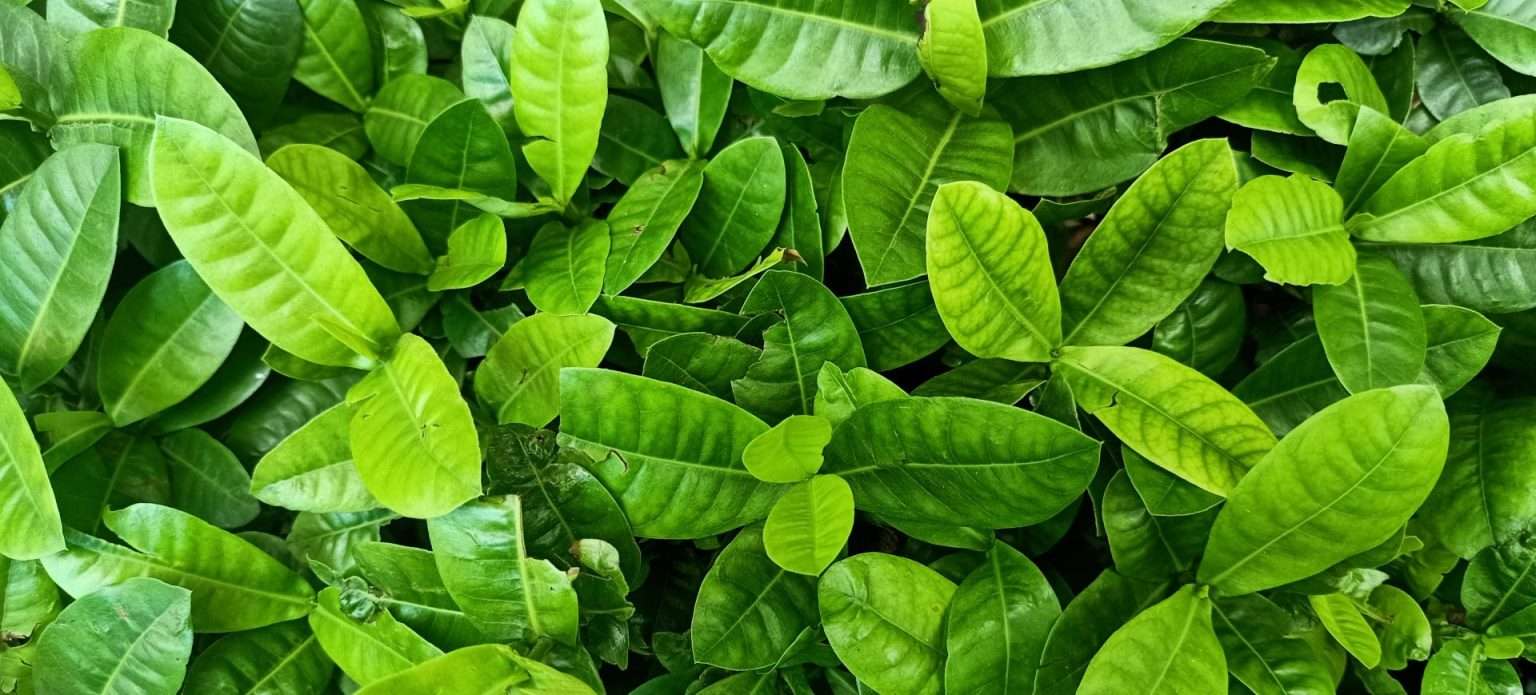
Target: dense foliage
(980,347)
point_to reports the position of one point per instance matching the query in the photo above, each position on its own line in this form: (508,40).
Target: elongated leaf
(1505,28)
(1169,413)
(952,451)
(897,159)
(250,47)
(29,514)
(207,480)
(652,426)
(898,325)
(1372,327)
(234,585)
(1343,620)
(134,637)
(283,658)
(520,377)
(802,49)
(694,91)
(355,208)
(952,50)
(368,649)
(1471,506)
(463,151)
(1339,484)
(1454,74)
(1490,275)
(1294,227)
(61,236)
(311,470)
(337,61)
(1206,331)
(486,669)
(96,103)
(1262,650)
(484,563)
(1154,247)
(1306,11)
(750,611)
(412,434)
(1145,546)
(487,58)
(991,275)
(634,139)
(884,616)
(1461,341)
(1032,38)
(800,232)
(1169,648)
(1378,148)
(705,363)
(642,224)
(997,625)
(271,233)
(560,88)
(738,207)
(416,595)
(165,339)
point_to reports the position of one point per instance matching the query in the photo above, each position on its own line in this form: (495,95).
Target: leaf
(1371,327)
(283,658)
(1087,132)
(991,275)
(789,452)
(133,637)
(1378,148)
(207,480)
(61,235)
(1087,622)
(698,289)
(412,436)
(898,324)
(801,51)
(486,669)
(477,250)
(1206,331)
(1454,74)
(1306,11)
(1460,343)
(1491,275)
(367,650)
(165,339)
(481,554)
(234,585)
(1504,29)
(249,47)
(897,159)
(1152,250)
(1462,189)
(355,208)
(1164,493)
(642,224)
(658,463)
(564,267)
(311,470)
(1264,652)
(415,593)
(401,111)
(337,61)
(1406,635)
(839,393)
(1118,32)
(1339,484)
(1461,666)
(809,525)
(700,361)
(1268,106)
(1149,547)
(560,88)
(520,377)
(486,55)
(738,207)
(815,330)
(750,611)
(1471,507)
(96,104)
(952,452)
(330,538)
(647,321)
(462,149)
(270,233)
(884,616)
(997,624)
(634,139)
(1294,227)
(694,92)
(119,470)
(399,45)
(1169,648)
(1169,413)
(80,16)
(30,519)
(1335,67)
(952,50)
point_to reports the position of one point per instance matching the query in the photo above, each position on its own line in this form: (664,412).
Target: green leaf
(1149,547)
(399,44)
(1157,243)
(464,152)
(1294,227)
(991,274)
(1087,622)
(61,236)
(520,377)
(634,139)
(897,159)
(486,669)
(1086,132)
(401,111)
(1339,484)
(370,647)
(165,339)
(670,483)
(30,516)
(105,98)
(240,375)
(694,92)
(803,50)
(815,330)
(329,539)
(884,616)
(840,393)
(119,470)
(1028,38)
(1463,188)
(560,88)
(235,586)
(311,470)
(749,611)
(809,525)
(1454,74)
(1169,648)
(415,594)
(953,51)
(1378,148)
(356,209)
(1504,28)
(1264,652)
(564,267)
(249,47)
(997,624)
(1493,275)
(72,17)
(486,55)
(790,451)
(1307,11)
(1372,327)
(698,289)
(337,61)
(642,224)
(1460,343)
(1268,105)
(1206,331)
(283,658)
(477,250)
(1164,493)
(484,563)
(1461,666)
(1171,414)
(412,434)
(1347,626)
(237,222)
(134,637)
(898,324)
(1474,503)
(207,480)
(1498,583)
(700,361)
(738,207)
(1405,633)
(952,453)
(1337,68)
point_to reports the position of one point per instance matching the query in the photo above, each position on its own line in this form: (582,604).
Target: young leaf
(564,267)
(367,647)
(477,250)
(809,525)
(356,209)
(311,470)
(953,51)
(1294,227)
(29,514)
(520,377)
(560,88)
